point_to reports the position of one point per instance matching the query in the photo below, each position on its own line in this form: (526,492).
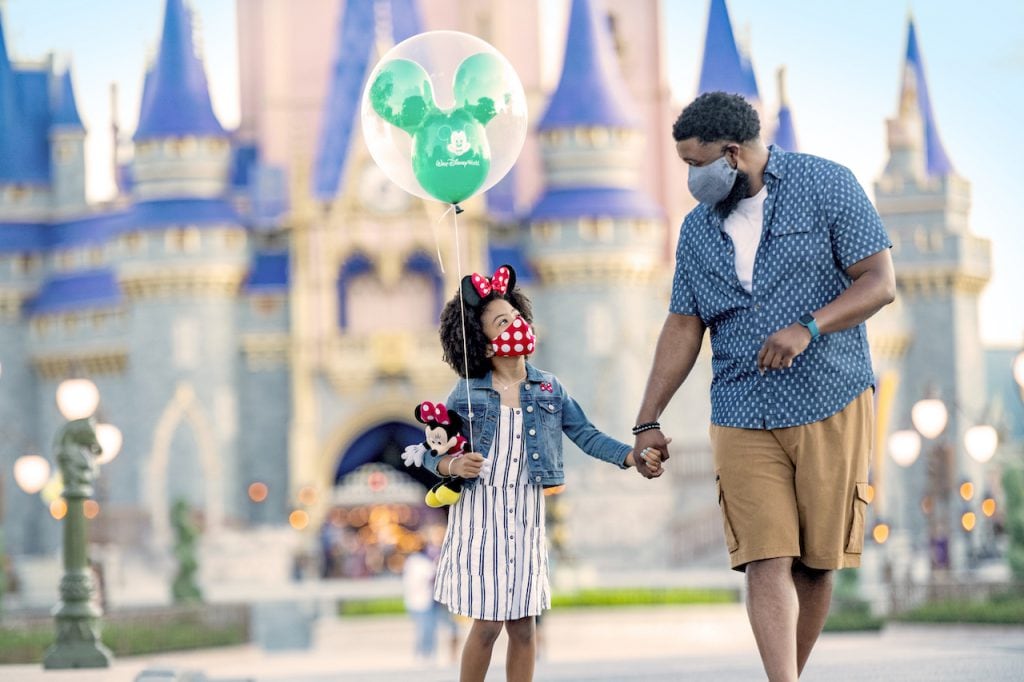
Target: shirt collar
(776,162)
(532,374)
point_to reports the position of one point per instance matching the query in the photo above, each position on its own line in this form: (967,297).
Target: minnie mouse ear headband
(477,287)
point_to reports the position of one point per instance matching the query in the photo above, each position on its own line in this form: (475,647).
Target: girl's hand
(467,466)
(650,451)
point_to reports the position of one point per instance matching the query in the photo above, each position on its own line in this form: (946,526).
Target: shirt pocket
(796,247)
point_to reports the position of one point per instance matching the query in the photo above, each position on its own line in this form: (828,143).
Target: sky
(843,62)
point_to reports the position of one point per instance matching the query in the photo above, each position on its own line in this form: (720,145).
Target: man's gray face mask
(711,183)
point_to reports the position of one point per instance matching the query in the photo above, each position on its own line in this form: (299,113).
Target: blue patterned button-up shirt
(817,223)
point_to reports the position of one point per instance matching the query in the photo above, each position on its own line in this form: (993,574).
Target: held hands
(466,466)
(649,451)
(782,347)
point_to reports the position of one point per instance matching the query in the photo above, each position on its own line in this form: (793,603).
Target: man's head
(718,137)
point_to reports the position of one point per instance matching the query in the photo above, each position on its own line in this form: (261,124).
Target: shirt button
(526,386)
(533,432)
(536,455)
(517,436)
(529,408)
(537,478)
(515,459)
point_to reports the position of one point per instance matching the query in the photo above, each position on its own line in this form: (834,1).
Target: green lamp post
(79,452)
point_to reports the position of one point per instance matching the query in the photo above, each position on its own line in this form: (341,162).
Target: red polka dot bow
(438,414)
(498,283)
(545,386)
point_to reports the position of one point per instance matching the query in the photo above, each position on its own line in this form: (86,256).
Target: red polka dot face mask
(518,339)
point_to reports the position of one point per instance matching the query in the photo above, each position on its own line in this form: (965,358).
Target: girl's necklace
(514,383)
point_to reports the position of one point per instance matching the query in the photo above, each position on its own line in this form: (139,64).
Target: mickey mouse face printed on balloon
(455,151)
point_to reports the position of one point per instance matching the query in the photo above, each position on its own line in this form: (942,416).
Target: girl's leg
(522,649)
(476,653)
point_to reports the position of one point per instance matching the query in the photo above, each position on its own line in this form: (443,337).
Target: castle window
(132,242)
(546,232)
(234,240)
(96,255)
(600,230)
(17,194)
(182,240)
(65,260)
(265,306)
(64,152)
(214,145)
(25,263)
(70,322)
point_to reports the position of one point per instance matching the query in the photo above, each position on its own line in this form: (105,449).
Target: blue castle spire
(177,97)
(356,35)
(591,91)
(785,133)
(65,111)
(936,160)
(724,68)
(12,148)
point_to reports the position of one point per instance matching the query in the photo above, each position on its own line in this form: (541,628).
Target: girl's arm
(588,437)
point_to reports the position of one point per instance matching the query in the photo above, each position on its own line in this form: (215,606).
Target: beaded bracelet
(647,426)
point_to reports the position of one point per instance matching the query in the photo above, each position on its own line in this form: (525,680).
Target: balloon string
(462,310)
(437,242)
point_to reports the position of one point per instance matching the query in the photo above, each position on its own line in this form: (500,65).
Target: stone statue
(78,642)
(76,450)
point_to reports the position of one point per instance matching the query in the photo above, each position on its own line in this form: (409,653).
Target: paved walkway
(650,644)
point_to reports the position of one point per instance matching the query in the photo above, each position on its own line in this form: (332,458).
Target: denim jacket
(547,410)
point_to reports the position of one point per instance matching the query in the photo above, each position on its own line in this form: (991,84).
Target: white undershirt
(744,225)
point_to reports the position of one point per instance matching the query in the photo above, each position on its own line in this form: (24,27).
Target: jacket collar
(533,375)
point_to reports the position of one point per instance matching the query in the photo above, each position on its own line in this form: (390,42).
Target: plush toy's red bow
(498,283)
(429,412)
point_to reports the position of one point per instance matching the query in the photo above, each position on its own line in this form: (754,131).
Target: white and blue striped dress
(494,563)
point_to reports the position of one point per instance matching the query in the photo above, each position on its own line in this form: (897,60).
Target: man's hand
(650,449)
(467,466)
(782,347)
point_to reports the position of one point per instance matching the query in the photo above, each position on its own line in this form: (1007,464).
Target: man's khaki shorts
(796,492)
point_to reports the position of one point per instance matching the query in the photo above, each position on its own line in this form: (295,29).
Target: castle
(258,307)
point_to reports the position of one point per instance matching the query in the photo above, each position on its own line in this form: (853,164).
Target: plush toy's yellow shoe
(446,495)
(432,499)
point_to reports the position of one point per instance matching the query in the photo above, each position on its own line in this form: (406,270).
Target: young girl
(493,565)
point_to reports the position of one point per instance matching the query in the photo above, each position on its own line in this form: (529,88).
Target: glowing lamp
(929,417)
(981,442)
(904,447)
(77,398)
(31,472)
(111,440)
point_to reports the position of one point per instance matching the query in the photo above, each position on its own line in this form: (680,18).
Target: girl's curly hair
(474,358)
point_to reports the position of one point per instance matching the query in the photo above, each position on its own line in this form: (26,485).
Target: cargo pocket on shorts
(855,540)
(730,537)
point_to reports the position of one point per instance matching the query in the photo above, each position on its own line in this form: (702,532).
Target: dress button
(515,459)
(533,432)
(529,408)
(518,436)
(536,455)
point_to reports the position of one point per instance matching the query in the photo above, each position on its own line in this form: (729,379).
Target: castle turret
(67,148)
(941,270)
(785,134)
(181,149)
(594,245)
(724,66)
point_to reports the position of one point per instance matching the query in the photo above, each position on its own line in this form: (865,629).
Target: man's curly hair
(476,341)
(717,116)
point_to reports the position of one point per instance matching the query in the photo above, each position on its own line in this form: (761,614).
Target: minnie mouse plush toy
(442,429)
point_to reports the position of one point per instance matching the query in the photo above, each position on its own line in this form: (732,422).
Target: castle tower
(67,149)
(594,244)
(182,260)
(724,66)
(180,147)
(941,270)
(784,134)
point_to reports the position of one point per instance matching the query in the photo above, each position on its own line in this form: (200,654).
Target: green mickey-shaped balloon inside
(451,155)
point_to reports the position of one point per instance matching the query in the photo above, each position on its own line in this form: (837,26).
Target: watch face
(377,192)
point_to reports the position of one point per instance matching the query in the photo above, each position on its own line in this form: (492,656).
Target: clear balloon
(444,115)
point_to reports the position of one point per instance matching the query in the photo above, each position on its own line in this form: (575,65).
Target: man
(783,260)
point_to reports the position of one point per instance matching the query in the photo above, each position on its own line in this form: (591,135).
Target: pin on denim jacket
(548,412)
